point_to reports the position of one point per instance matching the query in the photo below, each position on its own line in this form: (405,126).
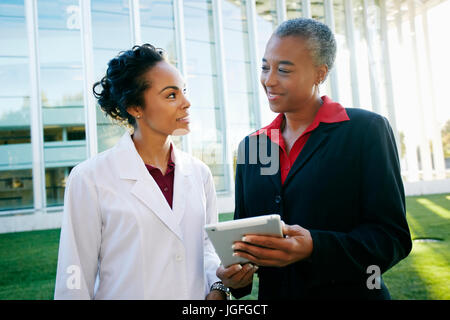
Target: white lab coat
(121,234)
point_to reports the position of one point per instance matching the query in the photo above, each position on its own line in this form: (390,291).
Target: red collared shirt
(329,112)
(164,182)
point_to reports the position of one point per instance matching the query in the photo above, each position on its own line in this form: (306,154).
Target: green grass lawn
(28,259)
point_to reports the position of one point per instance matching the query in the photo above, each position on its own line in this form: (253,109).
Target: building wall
(51,52)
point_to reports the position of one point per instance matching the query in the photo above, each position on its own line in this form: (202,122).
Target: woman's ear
(135,111)
(322,72)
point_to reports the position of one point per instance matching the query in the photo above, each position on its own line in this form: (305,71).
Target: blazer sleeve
(212,261)
(382,236)
(80,239)
(239,209)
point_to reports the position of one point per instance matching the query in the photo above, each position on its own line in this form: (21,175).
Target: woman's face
(165,104)
(289,74)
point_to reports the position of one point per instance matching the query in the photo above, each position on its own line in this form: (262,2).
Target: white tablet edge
(242,223)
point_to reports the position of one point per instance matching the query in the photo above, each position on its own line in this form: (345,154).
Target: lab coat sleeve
(212,261)
(80,238)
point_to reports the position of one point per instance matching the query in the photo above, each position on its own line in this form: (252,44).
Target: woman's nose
(269,79)
(187,103)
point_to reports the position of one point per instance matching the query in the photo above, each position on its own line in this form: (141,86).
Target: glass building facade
(390,60)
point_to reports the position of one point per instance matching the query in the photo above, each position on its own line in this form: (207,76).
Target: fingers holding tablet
(237,276)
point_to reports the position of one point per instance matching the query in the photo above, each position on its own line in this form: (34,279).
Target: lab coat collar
(132,167)
(135,168)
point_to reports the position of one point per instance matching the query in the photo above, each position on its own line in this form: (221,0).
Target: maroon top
(165,182)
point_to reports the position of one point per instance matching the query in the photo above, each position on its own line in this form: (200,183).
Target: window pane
(158,26)
(61,84)
(111,30)
(61,87)
(16,189)
(14,120)
(198,22)
(14,68)
(108,134)
(243,83)
(55,183)
(206,128)
(111,33)
(201,57)
(156,13)
(13,34)
(202,91)
(161,38)
(241,116)
(16,179)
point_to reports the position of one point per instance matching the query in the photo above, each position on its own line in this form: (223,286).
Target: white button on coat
(120,231)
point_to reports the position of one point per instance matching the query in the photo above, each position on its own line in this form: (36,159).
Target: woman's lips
(184,119)
(273,96)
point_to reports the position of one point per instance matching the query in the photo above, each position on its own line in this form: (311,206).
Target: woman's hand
(276,252)
(236,276)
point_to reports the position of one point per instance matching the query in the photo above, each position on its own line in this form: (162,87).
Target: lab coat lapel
(182,184)
(145,188)
(149,193)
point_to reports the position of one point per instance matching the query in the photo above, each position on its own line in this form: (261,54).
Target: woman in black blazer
(336,183)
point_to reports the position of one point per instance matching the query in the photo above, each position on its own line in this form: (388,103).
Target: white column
(410,145)
(223,93)
(254,58)
(306,9)
(90,104)
(375,95)
(135,20)
(36,125)
(438,153)
(178,14)
(425,154)
(281,11)
(329,20)
(349,28)
(387,74)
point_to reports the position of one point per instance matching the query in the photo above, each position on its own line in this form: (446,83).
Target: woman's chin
(180,131)
(276,108)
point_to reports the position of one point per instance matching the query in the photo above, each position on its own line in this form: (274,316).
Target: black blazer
(345,187)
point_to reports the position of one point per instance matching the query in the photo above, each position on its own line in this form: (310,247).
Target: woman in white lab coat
(134,215)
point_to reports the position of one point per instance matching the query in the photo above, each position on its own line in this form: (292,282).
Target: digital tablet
(224,234)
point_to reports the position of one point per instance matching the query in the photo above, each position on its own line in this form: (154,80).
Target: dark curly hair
(124,84)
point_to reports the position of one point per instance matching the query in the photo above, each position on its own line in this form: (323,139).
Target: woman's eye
(171,96)
(283,70)
(265,68)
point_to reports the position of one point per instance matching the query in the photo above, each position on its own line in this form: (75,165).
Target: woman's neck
(154,148)
(297,121)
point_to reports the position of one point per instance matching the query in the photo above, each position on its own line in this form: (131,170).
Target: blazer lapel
(318,138)
(263,141)
(276,178)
